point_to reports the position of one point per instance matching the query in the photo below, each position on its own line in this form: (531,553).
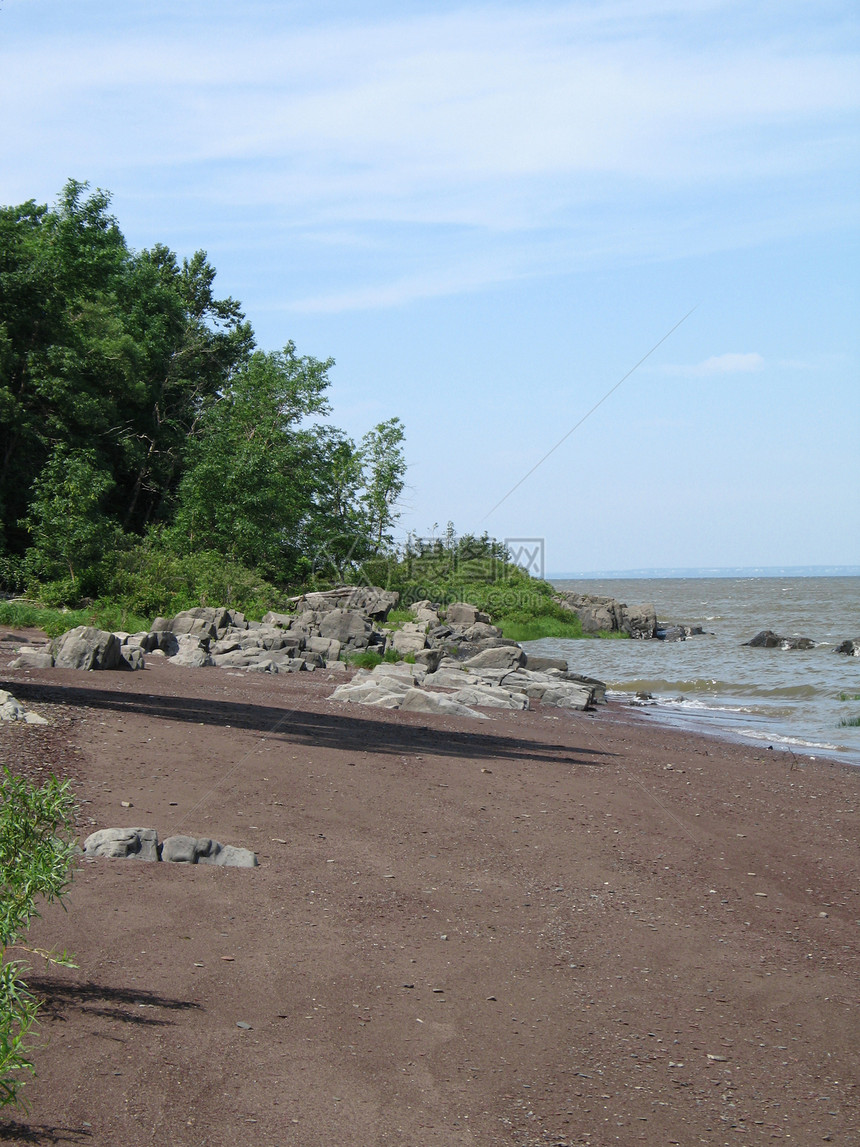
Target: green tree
(35,863)
(248,489)
(384,476)
(104,350)
(71,533)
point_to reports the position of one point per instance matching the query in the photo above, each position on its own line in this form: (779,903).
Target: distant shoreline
(709,572)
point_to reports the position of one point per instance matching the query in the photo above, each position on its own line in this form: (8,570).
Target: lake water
(785,698)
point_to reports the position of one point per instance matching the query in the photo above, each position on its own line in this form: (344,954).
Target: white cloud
(550,133)
(731,363)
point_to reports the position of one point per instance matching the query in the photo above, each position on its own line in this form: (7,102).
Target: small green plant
(35,863)
(367,659)
(398,617)
(850,723)
(849,696)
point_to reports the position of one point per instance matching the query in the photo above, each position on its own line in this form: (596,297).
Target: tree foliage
(134,404)
(35,863)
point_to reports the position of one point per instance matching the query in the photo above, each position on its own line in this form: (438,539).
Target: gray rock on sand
(204,850)
(33,659)
(11,709)
(142,844)
(86,647)
(139,843)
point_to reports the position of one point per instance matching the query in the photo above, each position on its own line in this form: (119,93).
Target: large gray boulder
(204,850)
(498,657)
(640,621)
(139,843)
(351,628)
(33,659)
(191,652)
(85,647)
(200,621)
(541,664)
(461,615)
(568,695)
(409,638)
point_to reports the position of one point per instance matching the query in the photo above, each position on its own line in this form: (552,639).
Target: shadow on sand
(305,727)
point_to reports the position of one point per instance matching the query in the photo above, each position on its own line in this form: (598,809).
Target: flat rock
(499,657)
(418,701)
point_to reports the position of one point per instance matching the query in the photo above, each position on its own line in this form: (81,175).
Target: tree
(248,489)
(384,478)
(71,533)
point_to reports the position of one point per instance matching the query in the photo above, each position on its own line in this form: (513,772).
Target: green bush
(35,863)
(153,581)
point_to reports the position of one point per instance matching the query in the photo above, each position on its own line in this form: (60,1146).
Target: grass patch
(850,723)
(532,629)
(102,615)
(369,658)
(398,617)
(849,696)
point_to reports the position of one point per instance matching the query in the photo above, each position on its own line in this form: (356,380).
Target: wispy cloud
(584,120)
(731,363)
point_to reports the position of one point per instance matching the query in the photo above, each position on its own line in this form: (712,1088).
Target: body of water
(785,698)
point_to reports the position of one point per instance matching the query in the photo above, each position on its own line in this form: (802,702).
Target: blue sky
(487,214)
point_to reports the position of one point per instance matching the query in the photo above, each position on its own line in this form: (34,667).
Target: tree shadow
(59,998)
(305,727)
(13,1132)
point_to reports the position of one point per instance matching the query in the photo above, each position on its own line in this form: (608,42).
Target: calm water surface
(787,698)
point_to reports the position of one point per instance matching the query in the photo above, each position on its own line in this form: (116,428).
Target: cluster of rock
(322,627)
(607,615)
(143,844)
(767,639)
(12,710)
(497,678)
(319,631)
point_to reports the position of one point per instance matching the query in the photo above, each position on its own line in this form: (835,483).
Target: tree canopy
(135,406)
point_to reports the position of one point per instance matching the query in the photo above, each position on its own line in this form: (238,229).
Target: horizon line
(711,571)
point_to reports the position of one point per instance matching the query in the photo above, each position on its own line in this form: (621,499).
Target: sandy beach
(544,928)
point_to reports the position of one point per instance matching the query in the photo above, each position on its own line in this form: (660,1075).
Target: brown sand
(544,928)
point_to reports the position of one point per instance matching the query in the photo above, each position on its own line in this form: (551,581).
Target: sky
(488,215)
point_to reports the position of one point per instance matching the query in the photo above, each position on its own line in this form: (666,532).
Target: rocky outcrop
(461,689)
(767,639)
(607,615)
(142,844)
(850,647)
(318,632)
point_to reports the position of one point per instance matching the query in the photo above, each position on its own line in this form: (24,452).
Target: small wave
(710,685)
(776,738)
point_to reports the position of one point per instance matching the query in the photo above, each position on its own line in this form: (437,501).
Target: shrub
(35,862)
